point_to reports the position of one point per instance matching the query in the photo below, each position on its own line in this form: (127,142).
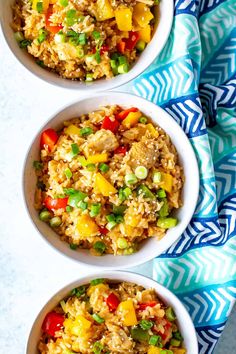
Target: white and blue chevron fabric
(194,80)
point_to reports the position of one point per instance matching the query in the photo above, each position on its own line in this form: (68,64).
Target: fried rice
(108,180)
(84,40)
(104,317)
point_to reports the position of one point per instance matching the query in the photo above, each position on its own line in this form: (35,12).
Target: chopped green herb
(95,209)
(42,35)
(68,173)
(97,347)
(38,165)
(68,209)
(75,198)
(39,7)
(91,167)
(98,318)
(139,334)
(155,340)
(99,246)
(111,225)
(119,209)
(74,149)
(124,68)
(80,53)
(161,193)
(164,211)
(73,246)
(103,167)
(175,342)
(143,120)
(122,59)
(140,45)
(119,219)
(96,35)
(64,3)
(97,281)
(130,178)
(170,315)
(145,191)
(146,324)
(86,131)
(122,243)
(111,217)
(25,43)
(167,223)
(83,205)
(89,77)
(177,335)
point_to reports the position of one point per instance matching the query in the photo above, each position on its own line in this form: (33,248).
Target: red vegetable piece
(122,115)
(103,230)
(49,26)
(121,47)
(121,150)
(52,323)
(167,331)
(144,305)
(104,48)
(112,302)
(48,138)
(109,124)
(55,204)
(130,42)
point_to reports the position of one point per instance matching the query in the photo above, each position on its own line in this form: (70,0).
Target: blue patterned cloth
(194,80)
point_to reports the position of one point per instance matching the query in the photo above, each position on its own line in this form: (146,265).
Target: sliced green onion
(97,281)
(156,177)
(60,38)
(130,178)
(39,6)
(83,205)
(119,219)
(164,211)
(119,209)
(128,251)
(170,315)
(45,215)
(122,243)
(68,173)
(82,39)
(25,43)
(42,35)
(154,340)
(74,149)
(143,120)
(68,209)
(111,225)
(80,18)
(96,35)
(111,217)
(175,342)
(69,191)
(146,324)
(80,53)
(124,68)
(161,193)
(99,246)
(89,77)
(19,36)
(40,63)
(124,193)
(139,334)
(113,64)
(55,222)
(115,56)
(141,172)
(145,191)
(71,13)
(79,291)
(38,165)
(122,60)
(103,167)
(167,223)
(95,209)
(97,57)
(91,167)
(64,3)
(140,45)
(98,318)
(73,246)
(177,335)
(86,131)
(75,198)
(97,347)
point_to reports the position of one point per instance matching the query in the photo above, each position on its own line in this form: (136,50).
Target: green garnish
(95,209)
(83,205)
(161,193)
(80,53)
(145,191)
(89,77)
(119,209)
(122,243)
(119,219)
(74,149)
(98,318)
(97,281)
(141,172)
(55,222)
(139,334)
(68,173)
(97,57)
(39,7)
(75,198)
(175,342)
(130,178)
(97,347)
(91,167)
(155,340)
(124,68)
(73,246)
(111,225)
(124,193)
(111,217)
(40,63)
(64,3)
(19,36)
(99,246)
(140,45)
(42,35)
(103,167)
(45,215)
(25,43)
(96,35)
(146,324)
(156,177)
(122,59)
(170,315)
(177,335)
(86,131)
(167,223)
(164,211)
(38,165)
(143,120)
(68,209)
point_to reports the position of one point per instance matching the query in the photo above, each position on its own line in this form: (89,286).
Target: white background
(30,271)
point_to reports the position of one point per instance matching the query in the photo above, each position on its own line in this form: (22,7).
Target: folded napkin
(194,80)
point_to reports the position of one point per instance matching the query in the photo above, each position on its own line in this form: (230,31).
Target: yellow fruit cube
(131,119)
(101,288)
(124,19)
(127,312)
(166,182)
(154,350)
(97,158)
(145,34)
(102,186)
(86,226)
(104,10)
(152,130)
(142,14)
(72,130)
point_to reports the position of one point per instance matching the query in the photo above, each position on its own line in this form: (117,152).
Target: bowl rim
(105,84)
(134,277)
(130,262)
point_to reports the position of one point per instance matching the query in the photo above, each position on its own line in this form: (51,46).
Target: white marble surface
(30,271)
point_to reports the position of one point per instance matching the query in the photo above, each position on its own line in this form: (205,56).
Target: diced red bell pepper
(49,26)
(52,323)
(144,305)
(55,204)
(121,47)
(123,114)
(104,48)
(48,138)
(122,150)
(131,42)
(167,331)
(109,124)
(112,302)
(103,230)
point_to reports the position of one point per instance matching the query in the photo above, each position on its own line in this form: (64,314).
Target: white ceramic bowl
(165,16)
(184,321)
(150,248)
